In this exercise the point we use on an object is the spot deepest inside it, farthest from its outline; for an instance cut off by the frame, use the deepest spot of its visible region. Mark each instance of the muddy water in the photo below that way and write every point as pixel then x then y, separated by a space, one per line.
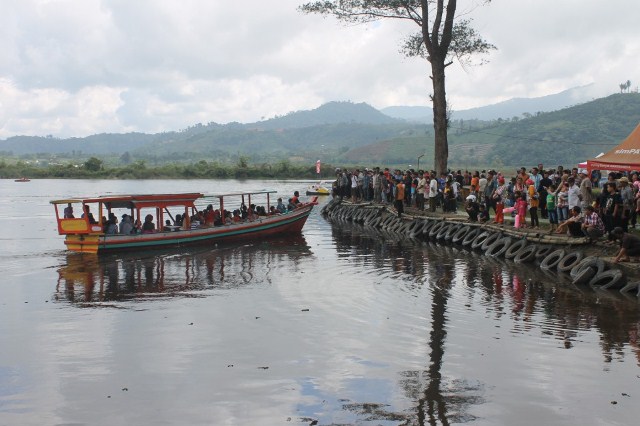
pixel 339 325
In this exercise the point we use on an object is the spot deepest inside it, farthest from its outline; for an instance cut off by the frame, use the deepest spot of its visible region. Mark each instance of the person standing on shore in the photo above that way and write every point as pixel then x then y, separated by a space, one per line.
pixel 586 196
pixel 399 197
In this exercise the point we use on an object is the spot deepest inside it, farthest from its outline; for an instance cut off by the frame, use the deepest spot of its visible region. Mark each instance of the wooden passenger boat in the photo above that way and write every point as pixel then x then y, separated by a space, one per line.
pixel 82 234
pixel 22 179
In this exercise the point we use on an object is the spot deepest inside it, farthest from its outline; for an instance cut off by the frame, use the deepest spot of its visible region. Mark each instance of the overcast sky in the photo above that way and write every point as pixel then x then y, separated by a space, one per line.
pixel 79 67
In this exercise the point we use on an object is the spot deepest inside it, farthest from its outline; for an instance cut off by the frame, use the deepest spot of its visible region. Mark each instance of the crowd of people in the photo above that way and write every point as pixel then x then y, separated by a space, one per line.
pixel 565 197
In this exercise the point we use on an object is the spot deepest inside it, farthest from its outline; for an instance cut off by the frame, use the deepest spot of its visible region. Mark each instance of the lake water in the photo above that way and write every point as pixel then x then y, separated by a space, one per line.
pixel 339 325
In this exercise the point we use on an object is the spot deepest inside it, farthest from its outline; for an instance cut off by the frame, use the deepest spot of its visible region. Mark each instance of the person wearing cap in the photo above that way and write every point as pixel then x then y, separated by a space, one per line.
pixel 471 207
pixel 629 245
pixel 626 193
pixel 586 196
pixel 499 196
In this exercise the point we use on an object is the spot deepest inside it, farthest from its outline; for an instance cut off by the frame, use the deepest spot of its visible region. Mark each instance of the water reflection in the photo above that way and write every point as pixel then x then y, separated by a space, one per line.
pixel 532 302
pixel 183 272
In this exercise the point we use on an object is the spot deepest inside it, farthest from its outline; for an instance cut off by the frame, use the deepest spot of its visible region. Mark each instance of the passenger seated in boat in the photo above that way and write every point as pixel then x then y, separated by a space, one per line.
pixel 260 210
pixel 291 205
pixel 236 216
pixel 296 198
pixel 209 216
pixel 137 227
pixel 251 214
pixel 148 227
pixel 244 212
pixel 217 218
pixel 179 220
pixel 281 207
pixel 68 212
pixel 273 211
pixel 126 227
pixel 111 226
pixel 87 213
pixel 167 225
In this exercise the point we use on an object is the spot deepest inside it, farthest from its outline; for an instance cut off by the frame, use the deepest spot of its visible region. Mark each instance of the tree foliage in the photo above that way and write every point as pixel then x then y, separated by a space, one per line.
pixel 438 39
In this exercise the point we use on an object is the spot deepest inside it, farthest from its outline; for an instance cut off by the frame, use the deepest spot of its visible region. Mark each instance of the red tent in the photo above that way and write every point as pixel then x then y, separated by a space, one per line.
pixel 624 157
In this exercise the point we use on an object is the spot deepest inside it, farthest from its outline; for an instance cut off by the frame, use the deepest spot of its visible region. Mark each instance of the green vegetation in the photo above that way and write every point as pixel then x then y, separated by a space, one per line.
pixel 354 134
pixel 93 168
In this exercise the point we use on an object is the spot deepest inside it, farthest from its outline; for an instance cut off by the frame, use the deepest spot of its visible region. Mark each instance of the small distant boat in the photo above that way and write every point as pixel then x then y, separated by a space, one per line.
pixel 86 235
pixel 23 179
pixel 319 188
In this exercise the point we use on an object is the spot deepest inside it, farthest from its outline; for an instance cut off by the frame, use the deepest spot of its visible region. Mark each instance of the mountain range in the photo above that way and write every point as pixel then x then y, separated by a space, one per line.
pixel 551 129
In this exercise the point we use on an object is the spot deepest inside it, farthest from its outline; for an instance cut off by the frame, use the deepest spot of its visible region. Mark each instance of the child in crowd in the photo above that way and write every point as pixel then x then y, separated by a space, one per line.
pixel 483 214
pixel 521 209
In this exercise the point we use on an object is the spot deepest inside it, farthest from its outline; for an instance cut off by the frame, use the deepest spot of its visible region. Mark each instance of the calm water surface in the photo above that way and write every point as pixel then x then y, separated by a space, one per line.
pixel 340 325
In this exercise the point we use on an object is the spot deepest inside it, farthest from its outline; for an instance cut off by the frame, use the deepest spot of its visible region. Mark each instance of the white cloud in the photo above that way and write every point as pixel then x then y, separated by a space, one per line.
pixel 77 67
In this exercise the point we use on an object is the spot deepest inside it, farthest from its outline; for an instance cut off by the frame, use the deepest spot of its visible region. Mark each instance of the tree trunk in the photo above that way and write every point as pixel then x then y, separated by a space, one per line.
pixel 441 149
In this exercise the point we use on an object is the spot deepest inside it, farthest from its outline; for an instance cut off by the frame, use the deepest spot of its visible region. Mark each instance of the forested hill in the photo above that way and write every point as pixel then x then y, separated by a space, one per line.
pixel 569 135
pixel 327 114
pixel 349 133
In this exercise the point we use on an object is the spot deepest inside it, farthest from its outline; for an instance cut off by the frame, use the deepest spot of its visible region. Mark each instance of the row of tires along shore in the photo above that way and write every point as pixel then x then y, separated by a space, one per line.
pixel 582 270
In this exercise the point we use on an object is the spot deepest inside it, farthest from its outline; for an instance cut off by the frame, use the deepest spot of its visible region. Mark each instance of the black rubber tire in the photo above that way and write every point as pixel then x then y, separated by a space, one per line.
pixel 514 248
pixel 460 234
pixel 443 232
pixel 470 237
pixel 374 222
pixel 544 251
pixel 499 247
pixel 414 224
pixel 613 278
pixel 584 276
pixel 479 240
pixel 488 242
pixel 436 228
pixel 427 227
pixel 392 224
pixel 451 232
pixel 551 261
pixel 387 221
pixel 527 254
pixel 417 232
pixel 570 260
pixel 399 227
pixel 592 262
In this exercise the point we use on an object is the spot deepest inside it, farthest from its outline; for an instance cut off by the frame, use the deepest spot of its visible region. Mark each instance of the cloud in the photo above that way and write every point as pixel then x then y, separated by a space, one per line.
pixel 72 68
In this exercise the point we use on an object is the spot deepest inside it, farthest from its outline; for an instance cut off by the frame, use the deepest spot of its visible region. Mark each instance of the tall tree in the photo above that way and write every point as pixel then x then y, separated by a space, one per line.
pixel 439 39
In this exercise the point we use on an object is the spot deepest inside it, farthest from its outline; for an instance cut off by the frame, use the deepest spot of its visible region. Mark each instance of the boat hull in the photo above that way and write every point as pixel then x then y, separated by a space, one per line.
pixel 262 228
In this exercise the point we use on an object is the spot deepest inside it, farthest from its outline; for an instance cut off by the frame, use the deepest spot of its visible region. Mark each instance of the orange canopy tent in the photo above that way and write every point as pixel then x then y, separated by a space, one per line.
pixel 624 157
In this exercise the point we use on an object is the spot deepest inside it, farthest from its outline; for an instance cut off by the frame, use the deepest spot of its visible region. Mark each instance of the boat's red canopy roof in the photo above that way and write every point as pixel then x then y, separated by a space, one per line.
pixel 142 200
